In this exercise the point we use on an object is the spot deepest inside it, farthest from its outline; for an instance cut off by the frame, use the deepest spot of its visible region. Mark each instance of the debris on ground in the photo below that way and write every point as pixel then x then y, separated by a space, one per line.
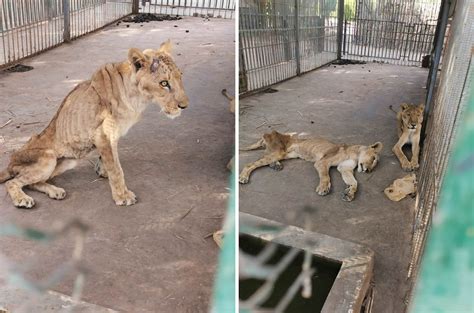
pixel 18 68
pixel 270 90
pixel 347 62
pixel 8 122
pixel 401 188
pixel 149 17
pixel 218 237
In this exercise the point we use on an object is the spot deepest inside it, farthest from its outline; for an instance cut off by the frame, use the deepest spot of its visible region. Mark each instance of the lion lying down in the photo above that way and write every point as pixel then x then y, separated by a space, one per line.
pixel 323 153
pixel 94 115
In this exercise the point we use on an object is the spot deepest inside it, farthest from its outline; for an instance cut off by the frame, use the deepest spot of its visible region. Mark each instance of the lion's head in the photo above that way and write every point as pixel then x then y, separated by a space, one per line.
pixel 159 79
pixel 369 157
pixel 412 115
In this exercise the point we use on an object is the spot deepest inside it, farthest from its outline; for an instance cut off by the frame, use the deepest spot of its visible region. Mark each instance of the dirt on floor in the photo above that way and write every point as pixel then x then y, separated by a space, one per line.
pixel 152 256
pixel 345 104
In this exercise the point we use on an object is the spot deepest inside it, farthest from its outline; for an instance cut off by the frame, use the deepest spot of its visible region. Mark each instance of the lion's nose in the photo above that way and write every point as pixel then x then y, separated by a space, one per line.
pixel 183 102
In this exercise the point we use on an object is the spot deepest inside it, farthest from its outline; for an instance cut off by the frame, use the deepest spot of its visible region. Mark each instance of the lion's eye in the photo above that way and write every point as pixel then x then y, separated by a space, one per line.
pixel 164 83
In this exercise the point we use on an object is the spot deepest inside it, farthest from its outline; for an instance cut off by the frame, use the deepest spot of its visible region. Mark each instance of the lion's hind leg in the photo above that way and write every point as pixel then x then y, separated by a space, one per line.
pixel 268 159
pixel 52 191
pixel 100 168
pixel 40 166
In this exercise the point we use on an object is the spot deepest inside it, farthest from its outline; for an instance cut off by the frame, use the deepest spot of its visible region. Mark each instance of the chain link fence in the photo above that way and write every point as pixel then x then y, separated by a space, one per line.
pixel 449 104
pixel 393 31
pixel 281 39
pixel 28 27
pixel 203 8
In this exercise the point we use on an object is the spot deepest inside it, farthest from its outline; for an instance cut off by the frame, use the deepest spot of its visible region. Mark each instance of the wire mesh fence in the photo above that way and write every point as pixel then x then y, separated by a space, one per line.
pixel 28 27
pixel 210 8
pixel 448 111
pixel 280 39
pixel 393 31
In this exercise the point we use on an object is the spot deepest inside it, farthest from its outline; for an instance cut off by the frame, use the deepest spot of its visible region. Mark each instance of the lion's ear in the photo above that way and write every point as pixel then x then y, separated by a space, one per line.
pixel 137 58
pixel 166 47
pixel 421 107
pixel 378 146
pixel 404 106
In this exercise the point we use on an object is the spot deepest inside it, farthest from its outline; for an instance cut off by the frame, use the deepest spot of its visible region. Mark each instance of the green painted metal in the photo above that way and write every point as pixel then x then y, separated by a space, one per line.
pixel 446 281
pixel 224 288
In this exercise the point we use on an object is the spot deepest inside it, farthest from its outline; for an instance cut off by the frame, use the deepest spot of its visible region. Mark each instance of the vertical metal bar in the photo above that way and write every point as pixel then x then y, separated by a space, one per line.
pixel 340 21
pixel 67 23
pixel 3 33
pixel 297 33
pixel 135 6
pixel 439 40
pixel 345 38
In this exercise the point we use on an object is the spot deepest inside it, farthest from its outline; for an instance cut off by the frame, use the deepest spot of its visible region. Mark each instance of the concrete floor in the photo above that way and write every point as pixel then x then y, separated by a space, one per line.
pixel 147 257
pixel 347 104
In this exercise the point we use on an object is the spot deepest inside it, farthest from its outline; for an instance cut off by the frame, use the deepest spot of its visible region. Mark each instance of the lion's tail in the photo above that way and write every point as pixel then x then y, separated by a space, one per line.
pixel 259 144
pixel 5 175
pixel 226 94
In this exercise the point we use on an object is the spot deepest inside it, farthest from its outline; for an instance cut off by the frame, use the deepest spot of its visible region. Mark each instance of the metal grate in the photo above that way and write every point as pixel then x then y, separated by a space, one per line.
pixel 89 15
pixel 28 27
pixel 317 21
pixel 210 8
pixel 281 39
pixel 450 103
pixel 393 31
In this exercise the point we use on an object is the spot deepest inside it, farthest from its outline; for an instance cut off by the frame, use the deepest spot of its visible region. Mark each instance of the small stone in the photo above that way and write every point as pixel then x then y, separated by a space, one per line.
pixel 187 31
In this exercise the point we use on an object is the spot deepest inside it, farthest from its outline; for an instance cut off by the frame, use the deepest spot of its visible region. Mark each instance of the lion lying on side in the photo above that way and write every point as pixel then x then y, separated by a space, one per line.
pixel 323 153
pixel 409 120
pixel 94 115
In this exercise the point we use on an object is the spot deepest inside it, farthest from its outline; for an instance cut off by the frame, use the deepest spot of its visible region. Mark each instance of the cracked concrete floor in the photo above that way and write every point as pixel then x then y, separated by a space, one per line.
pixel 143 258
pixel 346 104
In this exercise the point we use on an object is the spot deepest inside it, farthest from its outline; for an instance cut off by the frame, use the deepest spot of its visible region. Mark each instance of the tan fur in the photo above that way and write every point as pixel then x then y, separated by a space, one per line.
pixel 94 115
pixel 230 164
pixel 409 123
pixel 401 188
pixel 323 153
pixel 231 100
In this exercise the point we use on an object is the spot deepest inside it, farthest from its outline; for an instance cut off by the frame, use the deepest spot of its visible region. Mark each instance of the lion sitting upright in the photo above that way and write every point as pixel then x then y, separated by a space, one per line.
pixel 94 115
pixel 323 153
pixel 409 119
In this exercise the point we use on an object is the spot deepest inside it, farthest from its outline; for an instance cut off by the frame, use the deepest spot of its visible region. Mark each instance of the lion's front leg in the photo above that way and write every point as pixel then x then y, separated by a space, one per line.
pixel 351 183
pixel 324 179
pixel 415 152
pixel 110 161
pixel 397 149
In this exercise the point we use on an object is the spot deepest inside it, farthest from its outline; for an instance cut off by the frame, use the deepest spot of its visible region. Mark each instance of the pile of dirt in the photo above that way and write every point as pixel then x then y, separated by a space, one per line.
pixel 18 68
pixel 347 62
pixel 149 17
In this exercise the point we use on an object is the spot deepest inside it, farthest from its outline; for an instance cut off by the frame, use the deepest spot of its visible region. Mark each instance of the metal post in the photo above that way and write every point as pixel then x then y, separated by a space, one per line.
pixel 297 43
pixel 438 49
pixel 67 21
pixel 135 6
pixel 340 27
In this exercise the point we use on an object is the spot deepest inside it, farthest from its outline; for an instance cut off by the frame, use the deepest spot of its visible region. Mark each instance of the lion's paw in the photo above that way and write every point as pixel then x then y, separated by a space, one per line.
pixel 324 189
pixel 128 198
